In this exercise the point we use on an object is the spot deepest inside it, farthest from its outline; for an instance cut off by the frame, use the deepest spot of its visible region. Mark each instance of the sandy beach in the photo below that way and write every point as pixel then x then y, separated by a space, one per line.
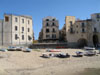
pixel 22 63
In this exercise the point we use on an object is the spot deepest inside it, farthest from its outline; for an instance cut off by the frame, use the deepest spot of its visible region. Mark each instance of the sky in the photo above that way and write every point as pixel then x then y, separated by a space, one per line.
pixel 39 9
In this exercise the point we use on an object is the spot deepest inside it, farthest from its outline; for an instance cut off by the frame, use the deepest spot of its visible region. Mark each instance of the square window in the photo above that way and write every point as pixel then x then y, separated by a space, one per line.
pixel 6 18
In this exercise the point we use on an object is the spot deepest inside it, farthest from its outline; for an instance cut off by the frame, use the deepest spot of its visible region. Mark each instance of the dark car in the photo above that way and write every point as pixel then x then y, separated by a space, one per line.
pixel 63 55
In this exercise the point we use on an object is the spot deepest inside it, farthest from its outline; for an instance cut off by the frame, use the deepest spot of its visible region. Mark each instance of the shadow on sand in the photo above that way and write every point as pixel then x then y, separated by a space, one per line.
pixel 90 71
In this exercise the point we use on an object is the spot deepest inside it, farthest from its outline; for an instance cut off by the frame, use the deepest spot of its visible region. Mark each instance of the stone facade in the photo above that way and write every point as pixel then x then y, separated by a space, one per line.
pixel 16 30
pixel 83 32
pixel 50 30
pixel 76 33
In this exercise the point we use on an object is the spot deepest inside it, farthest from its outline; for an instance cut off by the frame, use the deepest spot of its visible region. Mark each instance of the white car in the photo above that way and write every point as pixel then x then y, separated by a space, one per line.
pixel 3 50
pixel 89 48
pixel 27 50
pixel 11 48
pixel 19 48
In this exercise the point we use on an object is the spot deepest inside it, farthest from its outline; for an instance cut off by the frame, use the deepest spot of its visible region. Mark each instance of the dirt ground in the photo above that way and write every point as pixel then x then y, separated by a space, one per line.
pixel 24 63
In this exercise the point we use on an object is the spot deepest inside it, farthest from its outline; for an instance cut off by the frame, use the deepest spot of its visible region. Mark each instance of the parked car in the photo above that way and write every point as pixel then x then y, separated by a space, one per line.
pixel 19 48
pixel 27 50
pixel 3 50
pixel 52 50
pixel 63 55
pixel 98 50
pixel 52 55
pixel 79 54
pixel 11 48
pixel 44 55
pixel 89 48
pixel 90 53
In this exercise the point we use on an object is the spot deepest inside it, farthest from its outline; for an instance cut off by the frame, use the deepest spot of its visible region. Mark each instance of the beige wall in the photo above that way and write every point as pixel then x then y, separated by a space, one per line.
pixel 69 36
pixel 9 30
pixel 77 28
pixel 50 27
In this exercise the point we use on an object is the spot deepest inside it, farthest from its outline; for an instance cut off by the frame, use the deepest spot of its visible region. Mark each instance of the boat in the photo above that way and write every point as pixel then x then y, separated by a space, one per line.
pixel 89 48
pixel 44 55
pixel 52 50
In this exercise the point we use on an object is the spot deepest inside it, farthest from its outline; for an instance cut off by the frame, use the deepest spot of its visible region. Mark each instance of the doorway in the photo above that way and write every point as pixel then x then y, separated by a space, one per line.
pixel 95 40
pixel 82 42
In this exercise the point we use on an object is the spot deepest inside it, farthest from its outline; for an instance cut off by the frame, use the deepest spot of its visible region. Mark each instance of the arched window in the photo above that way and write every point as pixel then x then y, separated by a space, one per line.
pixel 53 19
pixel 47 19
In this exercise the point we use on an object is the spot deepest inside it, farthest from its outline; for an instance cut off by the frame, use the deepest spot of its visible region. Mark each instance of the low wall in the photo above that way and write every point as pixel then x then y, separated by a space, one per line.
pixel 53 45
pixel 46 45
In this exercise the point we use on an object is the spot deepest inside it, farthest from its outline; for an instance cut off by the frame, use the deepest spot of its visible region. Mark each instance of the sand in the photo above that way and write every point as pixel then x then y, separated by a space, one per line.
pixel 22 63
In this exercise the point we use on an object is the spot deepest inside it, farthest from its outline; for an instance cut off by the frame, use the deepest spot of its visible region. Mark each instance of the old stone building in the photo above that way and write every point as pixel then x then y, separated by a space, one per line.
pixel 16 30
pixel 82 32
pixel 50 30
